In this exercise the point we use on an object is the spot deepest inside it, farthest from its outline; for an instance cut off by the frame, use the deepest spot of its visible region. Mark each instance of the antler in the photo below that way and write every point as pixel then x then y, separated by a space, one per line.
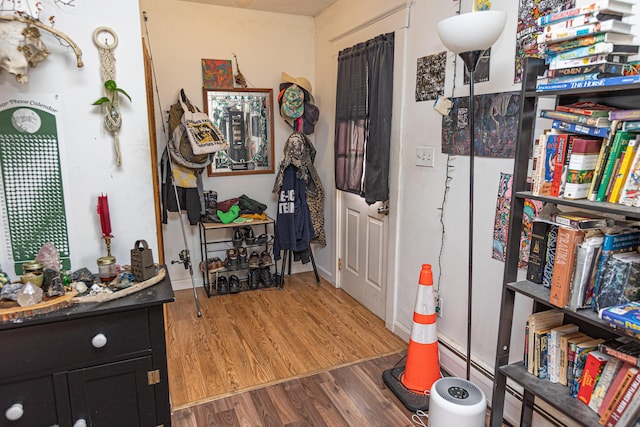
pixel 36 23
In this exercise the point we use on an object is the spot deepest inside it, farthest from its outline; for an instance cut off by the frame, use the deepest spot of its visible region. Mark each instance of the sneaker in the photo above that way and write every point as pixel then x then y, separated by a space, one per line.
pixel 215 264
pixel 242 258
pixel 249 237
pixel 254 260
pixel 265 258
pixel 254 278
pixel 234 284
pixel 263 238
pixel 238 236
pixel 265 275
pixel 231 263
pixel 223 285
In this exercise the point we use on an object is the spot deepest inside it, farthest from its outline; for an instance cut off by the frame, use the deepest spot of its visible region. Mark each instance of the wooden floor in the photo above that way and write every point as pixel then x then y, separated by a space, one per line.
pixel 259 338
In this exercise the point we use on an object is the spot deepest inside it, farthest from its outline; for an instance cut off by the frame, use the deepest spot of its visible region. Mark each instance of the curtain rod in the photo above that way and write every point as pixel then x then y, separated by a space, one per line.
pixel 373 20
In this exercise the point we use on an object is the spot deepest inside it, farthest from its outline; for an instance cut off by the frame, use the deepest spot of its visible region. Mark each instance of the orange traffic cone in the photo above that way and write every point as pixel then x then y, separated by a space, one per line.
pixel 422 368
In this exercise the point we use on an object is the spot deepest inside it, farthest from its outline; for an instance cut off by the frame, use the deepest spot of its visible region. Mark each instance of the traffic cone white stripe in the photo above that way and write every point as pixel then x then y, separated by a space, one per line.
pixel 426 301
pixel 424 334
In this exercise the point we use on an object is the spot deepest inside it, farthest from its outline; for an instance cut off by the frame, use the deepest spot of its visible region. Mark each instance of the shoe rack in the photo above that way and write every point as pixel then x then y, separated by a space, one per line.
pixel 225 259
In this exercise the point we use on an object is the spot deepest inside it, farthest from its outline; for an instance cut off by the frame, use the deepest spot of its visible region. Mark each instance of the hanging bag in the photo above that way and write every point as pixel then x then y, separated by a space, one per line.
pixel 204 136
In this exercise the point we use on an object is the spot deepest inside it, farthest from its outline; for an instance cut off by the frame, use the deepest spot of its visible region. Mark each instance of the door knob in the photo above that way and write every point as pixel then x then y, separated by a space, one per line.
pixel 383 210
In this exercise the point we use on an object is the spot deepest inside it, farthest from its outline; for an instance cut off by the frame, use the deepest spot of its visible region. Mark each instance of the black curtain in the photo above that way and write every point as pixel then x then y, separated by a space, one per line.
pixel 364 100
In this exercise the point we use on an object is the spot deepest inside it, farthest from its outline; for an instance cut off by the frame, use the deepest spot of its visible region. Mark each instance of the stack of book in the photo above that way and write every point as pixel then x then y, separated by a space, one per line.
pixel 587 45
pixel 590 152
pixel 602 374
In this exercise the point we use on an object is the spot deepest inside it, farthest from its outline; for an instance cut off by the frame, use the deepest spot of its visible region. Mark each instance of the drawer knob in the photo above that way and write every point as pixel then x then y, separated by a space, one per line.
pixel 80 423
pixel 99 341
pixel 15 412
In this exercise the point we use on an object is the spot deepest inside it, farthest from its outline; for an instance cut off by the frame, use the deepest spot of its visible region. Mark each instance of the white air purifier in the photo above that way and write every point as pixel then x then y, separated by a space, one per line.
pixel 456 402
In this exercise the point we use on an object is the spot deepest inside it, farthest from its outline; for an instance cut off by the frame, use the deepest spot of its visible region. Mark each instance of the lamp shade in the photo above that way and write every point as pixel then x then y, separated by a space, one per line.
pixel 471 31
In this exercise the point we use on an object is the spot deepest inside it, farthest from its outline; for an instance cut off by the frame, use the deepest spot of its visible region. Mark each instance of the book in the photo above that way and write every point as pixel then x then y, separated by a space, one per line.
pixel 624 115
pixel 631 125
pixel 610 25
pixel 570 78
pixel 537 251
pixel 606 82
pixel 597 58
pixel 553 349
pixel 547 272
pixel 605 69
pixel 581 167
pixel 580 129
pixel 619 393
pixel 631 187
pixel 624 402
pixel 626 315
pixel 566 248
pixel 580 220
pixel 581 20
pixel 537 322
pixel 579 362
pixel 620 279
pixel 576 118
pixel 586 108
pixel 593 367
pixel 537 164
pixel 621 6
pixel 607 376
pixel 566 341
pixel 631 414
pixel 620 142
pixel 540 358
pixel 572 346
pixel 550 153
pixel 585 269
pixel 593 6
pixel 615 385
pixel 614 241
pixel 603 156
pixel 620 50
pixel 561 164
pixel 625 165
pixel 525 352
pixel 622 348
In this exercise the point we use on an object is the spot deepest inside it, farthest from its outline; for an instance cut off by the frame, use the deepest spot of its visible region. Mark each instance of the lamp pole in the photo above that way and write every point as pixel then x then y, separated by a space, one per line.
pixel 470 60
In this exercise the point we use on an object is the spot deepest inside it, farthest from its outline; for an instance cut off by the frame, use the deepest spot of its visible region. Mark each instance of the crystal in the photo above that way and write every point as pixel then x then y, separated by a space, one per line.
pixel 10 291
pixel 29 295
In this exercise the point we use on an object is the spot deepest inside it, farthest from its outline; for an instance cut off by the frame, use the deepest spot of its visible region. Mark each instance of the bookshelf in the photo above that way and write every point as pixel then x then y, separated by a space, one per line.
pixel 620 96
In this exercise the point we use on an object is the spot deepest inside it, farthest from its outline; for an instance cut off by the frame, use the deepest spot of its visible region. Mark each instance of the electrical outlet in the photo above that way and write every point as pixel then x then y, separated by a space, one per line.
pixel 424 156
pixel 439 306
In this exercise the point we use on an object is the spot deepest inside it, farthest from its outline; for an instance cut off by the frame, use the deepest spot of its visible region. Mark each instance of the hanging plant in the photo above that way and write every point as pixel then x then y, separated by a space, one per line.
pixel 113 89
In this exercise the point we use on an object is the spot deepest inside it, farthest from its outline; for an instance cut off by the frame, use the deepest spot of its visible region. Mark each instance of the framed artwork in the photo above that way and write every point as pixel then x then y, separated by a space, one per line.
pixel 217 74
pixel 245 118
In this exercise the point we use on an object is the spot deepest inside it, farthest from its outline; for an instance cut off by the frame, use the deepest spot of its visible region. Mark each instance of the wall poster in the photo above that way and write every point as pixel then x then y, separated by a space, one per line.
pixel 430 76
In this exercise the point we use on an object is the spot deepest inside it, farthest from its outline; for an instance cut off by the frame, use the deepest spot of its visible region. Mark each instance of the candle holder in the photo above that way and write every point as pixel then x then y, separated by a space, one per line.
pixel 107 240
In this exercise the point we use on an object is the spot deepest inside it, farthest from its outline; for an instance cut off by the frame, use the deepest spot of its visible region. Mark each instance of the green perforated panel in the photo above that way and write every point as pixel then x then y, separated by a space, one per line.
pixel 32 184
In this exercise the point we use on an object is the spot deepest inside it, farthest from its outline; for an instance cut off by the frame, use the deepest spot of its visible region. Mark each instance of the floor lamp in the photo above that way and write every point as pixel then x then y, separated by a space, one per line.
pixel 469 35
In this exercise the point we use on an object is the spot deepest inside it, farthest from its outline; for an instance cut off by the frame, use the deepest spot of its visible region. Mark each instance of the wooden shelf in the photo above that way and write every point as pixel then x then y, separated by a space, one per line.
pixel 555 395
pixel 218 225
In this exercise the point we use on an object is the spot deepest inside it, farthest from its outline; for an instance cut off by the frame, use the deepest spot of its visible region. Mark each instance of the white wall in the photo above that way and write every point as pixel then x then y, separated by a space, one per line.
pixel 181 33
pixel 88 162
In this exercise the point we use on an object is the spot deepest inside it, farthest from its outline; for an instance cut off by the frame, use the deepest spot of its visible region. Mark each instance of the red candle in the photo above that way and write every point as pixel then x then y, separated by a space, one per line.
pixel 103 212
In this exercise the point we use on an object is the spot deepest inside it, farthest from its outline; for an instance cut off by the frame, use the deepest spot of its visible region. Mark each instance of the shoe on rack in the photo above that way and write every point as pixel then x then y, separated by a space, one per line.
pixel 242 258
pixel 266 278
pixel 223 285
pixel 254 278
pixel 254 260
pixel 249 237
pixel 263 238
pixel 238 236
pixel 266 259
pixel 215 264
pixel 232 263
pixel 234 284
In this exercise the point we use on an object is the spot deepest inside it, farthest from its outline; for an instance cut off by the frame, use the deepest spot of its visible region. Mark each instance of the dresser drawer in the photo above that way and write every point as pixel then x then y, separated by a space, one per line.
pixel 28 403
pixel 68 344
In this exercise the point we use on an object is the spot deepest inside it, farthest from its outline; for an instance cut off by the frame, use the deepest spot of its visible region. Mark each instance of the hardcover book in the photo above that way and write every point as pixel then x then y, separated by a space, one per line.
pixel 580 220
pixel 561 166
pixel 566 247
pixel 624 402
pixel 615 385
pixel 587 108
pixel 619 393
pixel 537 251
pixel 593 367
pixel 620 280
pixel 581 168
pixel 606 82
pixel 631 414
pixel 550 153
pixel 603 384
pixel 623 348
pixel 552 239
pixel 575 118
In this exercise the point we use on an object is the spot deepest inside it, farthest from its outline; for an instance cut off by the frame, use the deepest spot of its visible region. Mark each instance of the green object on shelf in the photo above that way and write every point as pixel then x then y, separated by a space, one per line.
pixel 34 211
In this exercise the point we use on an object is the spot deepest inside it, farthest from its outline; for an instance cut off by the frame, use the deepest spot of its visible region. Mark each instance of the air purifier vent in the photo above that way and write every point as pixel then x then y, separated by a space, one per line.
pixel 459 391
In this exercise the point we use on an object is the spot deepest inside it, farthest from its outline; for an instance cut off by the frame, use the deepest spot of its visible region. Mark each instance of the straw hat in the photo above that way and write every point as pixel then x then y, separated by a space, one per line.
pixel 300 81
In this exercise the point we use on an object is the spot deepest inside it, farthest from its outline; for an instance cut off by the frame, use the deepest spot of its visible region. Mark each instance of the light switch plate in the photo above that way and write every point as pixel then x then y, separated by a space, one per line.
pixel 424 156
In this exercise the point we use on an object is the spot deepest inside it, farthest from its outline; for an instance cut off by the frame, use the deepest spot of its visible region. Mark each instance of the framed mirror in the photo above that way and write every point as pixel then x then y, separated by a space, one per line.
pixel 245 118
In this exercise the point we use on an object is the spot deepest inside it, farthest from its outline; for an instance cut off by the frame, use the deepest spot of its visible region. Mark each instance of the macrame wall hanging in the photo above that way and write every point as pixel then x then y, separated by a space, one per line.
pixel 110 104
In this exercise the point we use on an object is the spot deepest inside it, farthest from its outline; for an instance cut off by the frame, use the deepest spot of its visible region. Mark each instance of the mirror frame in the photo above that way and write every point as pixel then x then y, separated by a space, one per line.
pixel 215 100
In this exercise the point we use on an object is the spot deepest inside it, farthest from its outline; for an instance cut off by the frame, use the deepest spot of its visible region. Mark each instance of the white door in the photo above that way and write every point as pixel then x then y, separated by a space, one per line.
pixel 363 252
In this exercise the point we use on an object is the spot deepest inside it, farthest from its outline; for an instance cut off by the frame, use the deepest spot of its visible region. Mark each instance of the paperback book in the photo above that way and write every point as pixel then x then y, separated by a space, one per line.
pixel 631 188
pixel 581 168
pixel 575 118
pixel 565 45
pixel 624 348
pixel 606 82
pixel 624 115
pixel 587 108
pixel 585 272
pixel 611 25
pixel 581 129
pixel 610 6
pixel 625 315
pixel 605 69
pixel 601 58
pixel 603 384
pixel 620 280
pixel 619 50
